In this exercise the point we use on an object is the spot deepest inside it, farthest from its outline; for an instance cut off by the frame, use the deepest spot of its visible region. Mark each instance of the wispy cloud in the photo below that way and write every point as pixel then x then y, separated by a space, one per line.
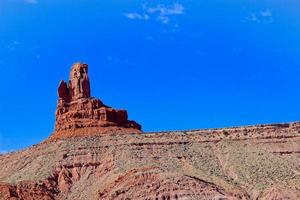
pixel 136 16
pixel 13 45
pixel 31 1
pixel 162 13
pixel 265 16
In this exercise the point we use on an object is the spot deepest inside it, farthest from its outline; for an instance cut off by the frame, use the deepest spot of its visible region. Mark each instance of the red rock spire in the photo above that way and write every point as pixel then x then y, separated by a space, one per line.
pixel 63 92
pixel 79 114
pixel 79 83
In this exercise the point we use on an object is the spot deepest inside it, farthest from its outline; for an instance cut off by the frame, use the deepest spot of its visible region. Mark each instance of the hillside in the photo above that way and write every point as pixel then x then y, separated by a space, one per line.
pixel 258 162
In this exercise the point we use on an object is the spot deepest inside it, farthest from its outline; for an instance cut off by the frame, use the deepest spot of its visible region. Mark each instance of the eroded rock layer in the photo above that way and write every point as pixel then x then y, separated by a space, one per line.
pixel 250 163
pixel 77 110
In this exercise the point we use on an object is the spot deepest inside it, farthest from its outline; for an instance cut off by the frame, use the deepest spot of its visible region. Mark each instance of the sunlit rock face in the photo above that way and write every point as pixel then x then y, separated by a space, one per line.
pixel 244 163
pixel 79 84
pixel 79 114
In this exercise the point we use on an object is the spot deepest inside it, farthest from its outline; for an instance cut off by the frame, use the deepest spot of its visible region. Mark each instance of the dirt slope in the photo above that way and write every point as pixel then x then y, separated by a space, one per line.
pixel 259 162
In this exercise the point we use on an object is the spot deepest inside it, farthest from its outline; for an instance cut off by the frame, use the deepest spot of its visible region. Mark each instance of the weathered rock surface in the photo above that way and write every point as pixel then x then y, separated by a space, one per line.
pixel 79 114
pixel 257 162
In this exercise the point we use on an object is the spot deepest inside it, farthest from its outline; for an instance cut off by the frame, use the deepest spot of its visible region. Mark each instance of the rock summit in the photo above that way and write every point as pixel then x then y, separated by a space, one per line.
pixel 79 114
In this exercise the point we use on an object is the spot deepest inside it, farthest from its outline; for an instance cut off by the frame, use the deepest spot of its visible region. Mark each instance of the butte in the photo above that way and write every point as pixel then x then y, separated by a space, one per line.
pixel 79 114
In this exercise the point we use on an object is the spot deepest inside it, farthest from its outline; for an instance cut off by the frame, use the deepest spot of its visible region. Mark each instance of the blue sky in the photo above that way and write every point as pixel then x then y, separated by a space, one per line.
pixel 172 64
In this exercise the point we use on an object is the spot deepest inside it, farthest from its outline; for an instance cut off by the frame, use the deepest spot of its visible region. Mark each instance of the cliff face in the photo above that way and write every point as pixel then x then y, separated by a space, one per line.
pixel 259 162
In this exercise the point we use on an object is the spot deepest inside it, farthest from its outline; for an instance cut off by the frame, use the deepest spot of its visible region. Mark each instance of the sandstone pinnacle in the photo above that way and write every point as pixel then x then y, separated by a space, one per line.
pixel 79 114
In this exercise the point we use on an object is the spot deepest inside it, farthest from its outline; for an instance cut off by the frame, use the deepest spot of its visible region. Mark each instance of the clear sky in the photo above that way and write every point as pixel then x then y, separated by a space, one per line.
pixel 174 65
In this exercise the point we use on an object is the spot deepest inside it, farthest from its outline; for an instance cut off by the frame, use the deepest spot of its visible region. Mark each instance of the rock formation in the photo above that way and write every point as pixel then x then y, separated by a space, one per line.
pixel 245 163
pixel 79 114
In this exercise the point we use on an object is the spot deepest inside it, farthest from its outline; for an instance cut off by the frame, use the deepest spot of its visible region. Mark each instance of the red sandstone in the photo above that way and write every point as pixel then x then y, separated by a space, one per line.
pixel 79 114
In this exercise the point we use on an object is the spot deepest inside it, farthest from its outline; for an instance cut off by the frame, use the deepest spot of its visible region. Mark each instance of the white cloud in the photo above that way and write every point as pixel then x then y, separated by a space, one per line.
pixel 252 17
pixel 138 16
pixel 13 45
pixel 162 13
pixel 31 1
pixel 176 9
pixel 265 16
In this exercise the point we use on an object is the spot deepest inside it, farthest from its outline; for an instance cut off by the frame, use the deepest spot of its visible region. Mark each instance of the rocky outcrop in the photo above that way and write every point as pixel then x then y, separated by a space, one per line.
pixel 251 163
pixel 29 190
pixel 79 114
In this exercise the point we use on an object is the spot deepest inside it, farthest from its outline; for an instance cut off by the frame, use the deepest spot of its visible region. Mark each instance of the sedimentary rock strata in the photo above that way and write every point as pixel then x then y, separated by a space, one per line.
pixel 79 114
pixel 251 163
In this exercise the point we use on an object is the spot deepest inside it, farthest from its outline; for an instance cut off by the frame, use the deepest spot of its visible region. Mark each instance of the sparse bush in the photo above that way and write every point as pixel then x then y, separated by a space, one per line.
pixel 226 133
